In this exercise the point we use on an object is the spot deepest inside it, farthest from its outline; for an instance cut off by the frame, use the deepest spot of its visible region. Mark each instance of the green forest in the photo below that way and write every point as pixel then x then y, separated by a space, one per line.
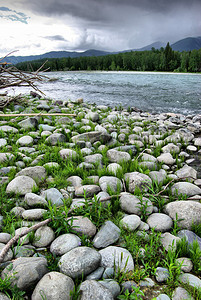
pixel 164 59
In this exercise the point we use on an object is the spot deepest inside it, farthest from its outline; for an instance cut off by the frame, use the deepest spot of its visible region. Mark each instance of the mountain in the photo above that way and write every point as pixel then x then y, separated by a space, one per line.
pixel 54 54
pixel 187 44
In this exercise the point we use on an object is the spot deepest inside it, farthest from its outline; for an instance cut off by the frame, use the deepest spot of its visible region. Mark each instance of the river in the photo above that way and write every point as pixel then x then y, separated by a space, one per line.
pixel 148 91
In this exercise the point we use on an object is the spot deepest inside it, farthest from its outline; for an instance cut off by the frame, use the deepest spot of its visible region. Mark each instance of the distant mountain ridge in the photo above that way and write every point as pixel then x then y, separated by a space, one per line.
pixel 187 44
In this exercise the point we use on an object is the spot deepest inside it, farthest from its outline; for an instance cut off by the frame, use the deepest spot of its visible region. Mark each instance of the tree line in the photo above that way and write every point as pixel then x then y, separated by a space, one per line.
pixel 164 59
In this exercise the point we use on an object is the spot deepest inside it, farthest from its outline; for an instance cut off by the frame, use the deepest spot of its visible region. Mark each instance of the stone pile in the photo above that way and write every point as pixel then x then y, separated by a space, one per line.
pixel 162 148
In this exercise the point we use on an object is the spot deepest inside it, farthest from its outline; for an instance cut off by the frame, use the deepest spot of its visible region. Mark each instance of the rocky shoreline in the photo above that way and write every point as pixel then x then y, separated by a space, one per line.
pixel 121 195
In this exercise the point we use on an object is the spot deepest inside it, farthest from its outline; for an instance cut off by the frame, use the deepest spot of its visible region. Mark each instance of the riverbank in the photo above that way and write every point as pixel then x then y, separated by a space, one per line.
pixel 120 197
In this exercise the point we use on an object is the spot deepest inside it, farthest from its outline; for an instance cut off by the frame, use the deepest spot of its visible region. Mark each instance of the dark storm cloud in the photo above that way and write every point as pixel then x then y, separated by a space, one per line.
pixel 55 38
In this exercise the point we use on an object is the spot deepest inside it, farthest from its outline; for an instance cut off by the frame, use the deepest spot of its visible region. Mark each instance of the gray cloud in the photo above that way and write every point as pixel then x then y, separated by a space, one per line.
pixel 55 38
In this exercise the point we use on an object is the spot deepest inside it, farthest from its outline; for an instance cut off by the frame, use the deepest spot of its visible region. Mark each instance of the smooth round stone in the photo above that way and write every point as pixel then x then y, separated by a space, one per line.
pixel 24 240
pixel 163 297
pixel 23 252
pixel 137 180
pixel 76 181
pixel 110 182
pixel 9 253
pixel 191 279
pixel 133 205
pixel 186 264
pixel 116 156
pixel 158 176
pixel 96 275
pixel 93 158
pixel 108 273
pixel 37 173
pixel 197 142
pixel 34 214
pixel 21 185
pixel 67 153
pixel 7 128
pixel 89 190
pixel 5 237
pixel 166 158
pixel 114 168
pixel 54 196
pixel 169 241
pixel 79 261
pixel 46 133
pixel 51 165
pixel 93 116
pixel 56 138
pixel 32 199
pixel 86 151
pixel 116 257
pixel 92 289
pixel 82 225
pixel 131 222
pixel 187 212
pixel 171 147
pixel 43 236
pixel 64 243
pixel 25 140
pixel 108 234
pixel 17 211
pixel 180 294
pixel 54 285
pixel 190 237
pixel 191 148
pixel 112 286
pixel 185 188
pixel 5 157
pixel 46 127
pixel 3 142
pixel 160 222
pixel 161 274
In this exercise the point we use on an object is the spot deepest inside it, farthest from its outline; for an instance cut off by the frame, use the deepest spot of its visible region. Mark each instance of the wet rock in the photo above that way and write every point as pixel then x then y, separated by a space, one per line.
pixel 53 285
pixel 79 261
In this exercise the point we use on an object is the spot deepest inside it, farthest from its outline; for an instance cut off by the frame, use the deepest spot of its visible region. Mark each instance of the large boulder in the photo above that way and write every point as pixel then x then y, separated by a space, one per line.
pixel 21 185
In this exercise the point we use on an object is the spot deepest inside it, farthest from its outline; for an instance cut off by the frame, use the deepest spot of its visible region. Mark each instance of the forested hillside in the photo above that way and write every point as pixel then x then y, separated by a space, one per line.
pixel 164 59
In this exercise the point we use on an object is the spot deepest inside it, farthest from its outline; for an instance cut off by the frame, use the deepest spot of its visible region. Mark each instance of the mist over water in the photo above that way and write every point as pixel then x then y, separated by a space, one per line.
pixel 149 91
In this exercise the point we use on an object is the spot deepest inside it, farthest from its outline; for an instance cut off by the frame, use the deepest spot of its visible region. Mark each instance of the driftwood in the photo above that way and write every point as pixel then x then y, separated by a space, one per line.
pixel 18 236
pixel 10 76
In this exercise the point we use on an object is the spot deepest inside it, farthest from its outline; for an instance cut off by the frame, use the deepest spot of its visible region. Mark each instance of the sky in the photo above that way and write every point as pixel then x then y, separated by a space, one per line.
pixel 37 26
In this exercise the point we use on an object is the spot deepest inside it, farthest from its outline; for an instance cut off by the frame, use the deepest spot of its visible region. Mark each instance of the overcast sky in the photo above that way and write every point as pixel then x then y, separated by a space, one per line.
pixel 39 26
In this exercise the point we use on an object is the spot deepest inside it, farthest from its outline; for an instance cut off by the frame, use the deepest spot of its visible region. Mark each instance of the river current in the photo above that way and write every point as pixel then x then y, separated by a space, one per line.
pixel 148 91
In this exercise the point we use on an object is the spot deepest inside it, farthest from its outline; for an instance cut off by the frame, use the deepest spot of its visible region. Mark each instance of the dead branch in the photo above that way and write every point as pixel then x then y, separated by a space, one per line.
pixel 18 236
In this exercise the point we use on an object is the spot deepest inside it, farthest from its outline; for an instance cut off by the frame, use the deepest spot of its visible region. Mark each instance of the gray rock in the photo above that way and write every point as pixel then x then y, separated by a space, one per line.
pixel 186 264
pixel 129 285
pixel 91 288
pixel 117 257
pixel 148 157
pixel 9 254
pixel 92 136
pixel 118 156
pixel 53 285
pixel 93 158
pixel 25 140
pixel 169 241
pixel 130 222
pixel 5 237
pixel 189 236
pixel 147 282
pixel 161 274
pixel 158 176
pixel 180 294
pixel 114 168
pixel 112 286
pixel 108 234
pixel 33 214
pixel 110 182
pixel 64 243
pixel 25 238
pixel 163 297
pixel 51 165
pixel 56 138
pixel 160 222
pixel 82 225
pixel 46 127
pixel 137 180
pixel 3 142
pixel 3 297
pixel 76 181
pixel 22 251
pixel 5 157
pixel 67 153
pixel 54 196
pixel 32 199
pixel 21 185
pixel 185 188
pixel 133 205
pixel 96 275
pixel 148 165
pixel 191 279
pixel 171 148
pixel 186 212
pixel 186 172
pixel 166 158
pixel 37 173
pixel 43 236
pixel 93 116
pixel 7 128
pixel 197 142
pixel 108 273
pixel 26 271
pixel 89 190
pixel 79 261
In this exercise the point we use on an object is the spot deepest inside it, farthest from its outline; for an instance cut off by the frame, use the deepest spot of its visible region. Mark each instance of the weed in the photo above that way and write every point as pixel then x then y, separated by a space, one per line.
pixel 7 288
